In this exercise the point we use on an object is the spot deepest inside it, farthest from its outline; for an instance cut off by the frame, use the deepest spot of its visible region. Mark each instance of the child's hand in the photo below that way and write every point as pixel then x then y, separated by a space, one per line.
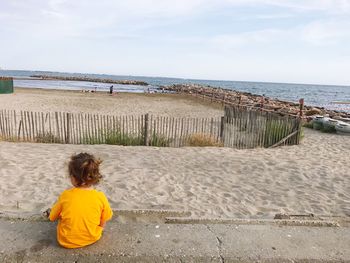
pixel 102 224
pixel 47 212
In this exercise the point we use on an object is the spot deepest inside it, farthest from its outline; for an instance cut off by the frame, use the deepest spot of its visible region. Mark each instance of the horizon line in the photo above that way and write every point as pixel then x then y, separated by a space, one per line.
pixel 182 78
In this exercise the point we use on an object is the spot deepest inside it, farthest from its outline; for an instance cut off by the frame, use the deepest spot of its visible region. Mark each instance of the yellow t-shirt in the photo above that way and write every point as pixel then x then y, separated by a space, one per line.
pixel 80 212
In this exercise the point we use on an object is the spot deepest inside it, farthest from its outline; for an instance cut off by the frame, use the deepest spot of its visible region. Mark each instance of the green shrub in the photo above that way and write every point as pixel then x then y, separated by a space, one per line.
pixel 328 129
pixel 317 125
pixel 159 141
pixel 47 138
pixel 91 140
pixel 323 128
pixel 118 138
pixel 10 139
pixel 308 125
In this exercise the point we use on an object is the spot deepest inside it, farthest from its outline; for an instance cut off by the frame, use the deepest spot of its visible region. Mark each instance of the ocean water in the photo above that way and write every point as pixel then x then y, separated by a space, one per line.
pixel 314 95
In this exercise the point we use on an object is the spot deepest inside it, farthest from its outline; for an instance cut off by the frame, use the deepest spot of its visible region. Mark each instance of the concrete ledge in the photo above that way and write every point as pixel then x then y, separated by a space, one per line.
pixel 278 222
pixel 121 215
pixel 35 241
pixel 147 215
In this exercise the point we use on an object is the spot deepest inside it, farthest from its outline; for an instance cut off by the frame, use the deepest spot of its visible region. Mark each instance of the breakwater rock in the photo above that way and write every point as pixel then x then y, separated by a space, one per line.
pixel 112 81
pixel 6 78
pixel 232 97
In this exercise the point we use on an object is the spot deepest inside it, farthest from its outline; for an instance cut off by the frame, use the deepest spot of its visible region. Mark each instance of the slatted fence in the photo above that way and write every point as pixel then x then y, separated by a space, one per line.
pixel 239 128
pixel 253 128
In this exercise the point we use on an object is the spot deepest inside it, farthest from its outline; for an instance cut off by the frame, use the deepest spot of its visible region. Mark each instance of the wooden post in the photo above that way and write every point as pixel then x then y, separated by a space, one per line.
pixel 222 126
pixel 223 101
pixel 146 131
pixel 19 130
pixel 67 128
pixel 301 105
pixel 240 100
pixel 1 127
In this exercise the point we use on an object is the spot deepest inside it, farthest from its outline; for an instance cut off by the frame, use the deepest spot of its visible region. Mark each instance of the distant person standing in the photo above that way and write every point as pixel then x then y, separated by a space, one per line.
pixel 111 90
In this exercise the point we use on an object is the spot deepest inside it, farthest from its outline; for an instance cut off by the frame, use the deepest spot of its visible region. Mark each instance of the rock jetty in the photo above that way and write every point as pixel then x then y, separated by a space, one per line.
pixel 112 81
pixel 232 97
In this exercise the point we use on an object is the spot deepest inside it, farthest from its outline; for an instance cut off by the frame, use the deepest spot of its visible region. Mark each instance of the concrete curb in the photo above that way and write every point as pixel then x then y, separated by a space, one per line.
pixel 278 222
pixel 35 241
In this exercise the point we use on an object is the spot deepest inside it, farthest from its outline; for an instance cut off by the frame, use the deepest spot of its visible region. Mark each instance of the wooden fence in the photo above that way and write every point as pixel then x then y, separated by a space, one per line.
pixel 237 129
pixel 253 128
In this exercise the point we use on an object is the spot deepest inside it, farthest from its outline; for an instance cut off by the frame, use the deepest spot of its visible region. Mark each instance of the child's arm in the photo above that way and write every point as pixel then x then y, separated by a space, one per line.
pixel 55 211
pixel 107 212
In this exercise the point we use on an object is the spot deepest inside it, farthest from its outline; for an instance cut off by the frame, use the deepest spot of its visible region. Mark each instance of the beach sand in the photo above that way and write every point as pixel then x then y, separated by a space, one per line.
pixel 102 103
pixel 215 182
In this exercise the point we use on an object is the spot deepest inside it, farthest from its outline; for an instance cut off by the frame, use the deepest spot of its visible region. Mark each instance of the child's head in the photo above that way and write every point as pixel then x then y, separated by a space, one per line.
pixel 84 170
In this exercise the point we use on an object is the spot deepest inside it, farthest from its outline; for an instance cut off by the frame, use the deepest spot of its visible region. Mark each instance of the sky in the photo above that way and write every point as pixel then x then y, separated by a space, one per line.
pixel 294 41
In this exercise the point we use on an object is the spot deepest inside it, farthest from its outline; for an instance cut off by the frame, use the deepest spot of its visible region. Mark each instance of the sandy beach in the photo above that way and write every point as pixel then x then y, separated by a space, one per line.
pixel 216 182
pixel 101 103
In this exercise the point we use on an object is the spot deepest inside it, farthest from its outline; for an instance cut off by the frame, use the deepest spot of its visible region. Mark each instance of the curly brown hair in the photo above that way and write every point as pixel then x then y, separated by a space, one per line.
pixel 84 168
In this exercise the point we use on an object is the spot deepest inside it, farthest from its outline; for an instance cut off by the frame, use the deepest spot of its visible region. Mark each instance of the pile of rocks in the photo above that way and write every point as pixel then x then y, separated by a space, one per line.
pixel 6 78
pixel 232 97
pixel 112 81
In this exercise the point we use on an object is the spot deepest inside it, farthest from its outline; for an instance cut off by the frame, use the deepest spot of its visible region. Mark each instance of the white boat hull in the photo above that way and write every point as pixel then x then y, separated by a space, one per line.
pixel 343 128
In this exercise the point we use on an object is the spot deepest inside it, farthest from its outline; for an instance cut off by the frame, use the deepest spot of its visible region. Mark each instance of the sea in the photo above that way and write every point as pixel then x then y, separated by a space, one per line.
pixel 327 96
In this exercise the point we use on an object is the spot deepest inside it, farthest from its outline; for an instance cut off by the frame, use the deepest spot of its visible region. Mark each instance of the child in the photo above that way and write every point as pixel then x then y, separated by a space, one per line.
pixel 81 210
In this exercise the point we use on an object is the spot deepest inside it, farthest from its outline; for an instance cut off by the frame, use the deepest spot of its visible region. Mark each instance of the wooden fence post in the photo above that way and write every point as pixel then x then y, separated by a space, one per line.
pixel 19 130
pixel 146 131
pixel 68 128
pixel 301 107
pixel 222 126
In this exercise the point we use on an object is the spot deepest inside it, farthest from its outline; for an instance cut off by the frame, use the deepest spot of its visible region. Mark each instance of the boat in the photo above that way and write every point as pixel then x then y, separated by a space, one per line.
pixel 347 120
pixel 318 119
pixel 342 128
pixel 317 122
pixel 329 123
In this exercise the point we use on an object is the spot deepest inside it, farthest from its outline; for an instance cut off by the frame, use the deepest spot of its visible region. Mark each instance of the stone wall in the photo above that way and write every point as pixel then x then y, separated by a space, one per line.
pixel 232 97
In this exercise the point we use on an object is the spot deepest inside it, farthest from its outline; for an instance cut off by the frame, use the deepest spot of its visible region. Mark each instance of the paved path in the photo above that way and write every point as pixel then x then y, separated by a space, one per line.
pixel 35 241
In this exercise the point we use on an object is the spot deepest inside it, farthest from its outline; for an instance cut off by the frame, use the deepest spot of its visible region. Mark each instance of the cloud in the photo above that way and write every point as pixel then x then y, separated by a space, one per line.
pixel 328 6
pixel 83 15
pixel 229 41
pixel 327 32
pixel 213 38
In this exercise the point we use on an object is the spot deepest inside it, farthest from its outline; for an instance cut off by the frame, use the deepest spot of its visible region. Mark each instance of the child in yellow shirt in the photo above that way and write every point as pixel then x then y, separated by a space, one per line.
pixel 82 211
